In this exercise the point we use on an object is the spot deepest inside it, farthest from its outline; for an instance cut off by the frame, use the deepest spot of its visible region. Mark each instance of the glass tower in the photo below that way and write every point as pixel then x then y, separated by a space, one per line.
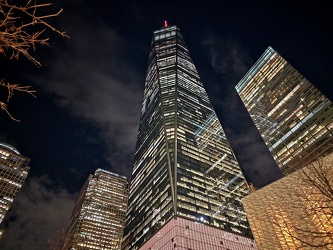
pixel 184 166
pixel 293 117
pixel 13 172
pixel 98 217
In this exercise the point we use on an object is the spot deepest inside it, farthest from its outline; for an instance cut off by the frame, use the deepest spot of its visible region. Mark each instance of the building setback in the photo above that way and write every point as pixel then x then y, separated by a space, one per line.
pixel 293 117
pixel 13 172
pixel 98 217
pixel 186 184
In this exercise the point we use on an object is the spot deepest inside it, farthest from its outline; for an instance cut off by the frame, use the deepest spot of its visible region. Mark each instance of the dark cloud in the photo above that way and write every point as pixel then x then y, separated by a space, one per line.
pixel 37 213
pixel 230 61
pixel 228 58
pixel 97 76
pixel 92 76
pixel 256 162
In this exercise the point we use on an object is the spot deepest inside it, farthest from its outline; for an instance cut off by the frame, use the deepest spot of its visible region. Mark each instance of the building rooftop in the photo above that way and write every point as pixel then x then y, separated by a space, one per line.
pixel 10 147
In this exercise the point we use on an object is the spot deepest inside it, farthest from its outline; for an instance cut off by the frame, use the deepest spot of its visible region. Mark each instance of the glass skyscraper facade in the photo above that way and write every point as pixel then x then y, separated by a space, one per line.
pixel 184 166
pixel 293 117
pixel 14 170
pixel 98 217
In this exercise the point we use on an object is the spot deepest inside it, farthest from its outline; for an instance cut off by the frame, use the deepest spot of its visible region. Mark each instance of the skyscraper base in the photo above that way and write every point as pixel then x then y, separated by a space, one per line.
pixel 180 233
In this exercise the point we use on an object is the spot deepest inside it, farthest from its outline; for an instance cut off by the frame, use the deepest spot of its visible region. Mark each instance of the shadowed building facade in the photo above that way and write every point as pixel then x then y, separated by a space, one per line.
pixel 186 184
pixel 98 217
pixel 13 172
pixel 293 117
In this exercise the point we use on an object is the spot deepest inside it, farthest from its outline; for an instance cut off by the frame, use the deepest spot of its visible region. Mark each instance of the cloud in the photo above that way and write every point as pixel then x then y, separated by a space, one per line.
pixel 256 162
pixel 231 61
pixel 37 213
pixel 91 74
pixel 228 58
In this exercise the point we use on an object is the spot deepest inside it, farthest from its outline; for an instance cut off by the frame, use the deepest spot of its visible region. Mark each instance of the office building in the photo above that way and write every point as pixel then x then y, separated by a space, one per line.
pixel 98 217
pixel 293 117
pixel 186 184
pixel 296 211
pixel 13 172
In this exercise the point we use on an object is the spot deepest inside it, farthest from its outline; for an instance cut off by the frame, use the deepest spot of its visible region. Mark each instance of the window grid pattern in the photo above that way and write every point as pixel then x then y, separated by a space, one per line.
pixel 13 172
pixel 98 217
pixel 184 165
pixel 293 117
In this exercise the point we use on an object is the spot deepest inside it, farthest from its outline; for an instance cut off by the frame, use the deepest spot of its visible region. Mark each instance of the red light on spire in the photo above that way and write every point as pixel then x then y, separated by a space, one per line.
pixel 165 24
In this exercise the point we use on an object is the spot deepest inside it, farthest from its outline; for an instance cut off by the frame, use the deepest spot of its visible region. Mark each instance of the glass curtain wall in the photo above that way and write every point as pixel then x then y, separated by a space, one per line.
pixel 184 165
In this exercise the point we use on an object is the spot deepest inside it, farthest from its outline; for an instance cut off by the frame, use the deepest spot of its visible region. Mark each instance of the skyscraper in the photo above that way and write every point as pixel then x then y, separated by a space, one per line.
pixel 98 217
pixel 293 117
pixel 186 183
pixel 13 172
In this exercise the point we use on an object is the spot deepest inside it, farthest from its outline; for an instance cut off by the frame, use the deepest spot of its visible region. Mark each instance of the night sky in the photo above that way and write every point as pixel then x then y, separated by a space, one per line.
pixel 90 88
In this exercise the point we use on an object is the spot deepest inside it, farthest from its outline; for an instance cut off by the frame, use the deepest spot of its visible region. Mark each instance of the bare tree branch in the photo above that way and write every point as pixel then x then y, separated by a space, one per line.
pixel 11 88
pixel 22 28
pixel 295 212
pixel 15 36
pixel 314 196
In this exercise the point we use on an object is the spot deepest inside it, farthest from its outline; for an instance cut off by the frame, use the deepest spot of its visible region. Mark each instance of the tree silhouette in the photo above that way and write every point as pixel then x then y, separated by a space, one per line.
pixel 23 26
pixel 316 195
pixel 295 212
